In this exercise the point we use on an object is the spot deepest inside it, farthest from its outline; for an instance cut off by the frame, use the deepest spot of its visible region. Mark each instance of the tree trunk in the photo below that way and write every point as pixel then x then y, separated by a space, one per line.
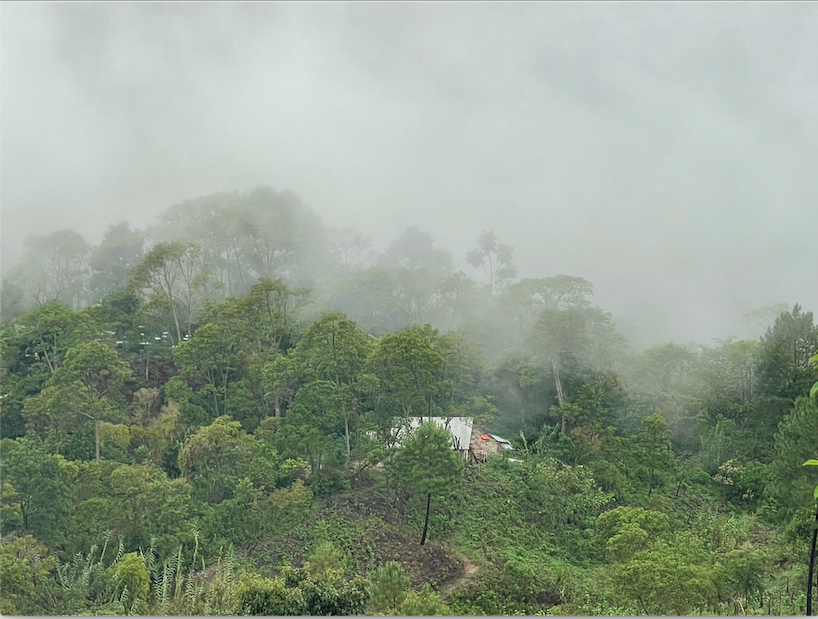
pixel 426 523
pixel 238 265
pixel 96 443
pixel 406 421
pixel 224 389
pixel 346 433
pixel 175 321
pixel 558 382
pixel 560 394
pixel 48 361
pixel 811 576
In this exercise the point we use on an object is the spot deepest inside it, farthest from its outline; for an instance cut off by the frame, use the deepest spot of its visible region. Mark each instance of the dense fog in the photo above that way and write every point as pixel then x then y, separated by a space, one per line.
pixel 405 309
pixel 665 153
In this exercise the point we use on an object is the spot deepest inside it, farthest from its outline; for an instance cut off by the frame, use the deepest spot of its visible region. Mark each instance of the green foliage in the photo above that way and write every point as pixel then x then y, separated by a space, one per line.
pixel 175 276
pixel 388 589
pixel 627 530
pixel 254 432
pixel 300 593
pixel 426 462
pixel 667 579
pixel 745 573
pixel 37 488
pixel 562 496
pixel 130 574
pixel 787 347
pixel 795 444
pixel 12 301
pixel 43 336
pixel 425 603
pixel 120 250
pixel 213 458
pixel 406 366
pixel 743 483
pixel 192 588
pixel 655 453
pixel 25 571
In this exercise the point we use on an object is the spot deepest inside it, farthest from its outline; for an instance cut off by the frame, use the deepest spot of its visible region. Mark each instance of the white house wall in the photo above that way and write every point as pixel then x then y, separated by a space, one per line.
pixel 459 427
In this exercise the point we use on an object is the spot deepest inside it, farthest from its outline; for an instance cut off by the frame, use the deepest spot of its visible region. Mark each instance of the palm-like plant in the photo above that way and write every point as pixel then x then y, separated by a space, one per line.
pixel 494 258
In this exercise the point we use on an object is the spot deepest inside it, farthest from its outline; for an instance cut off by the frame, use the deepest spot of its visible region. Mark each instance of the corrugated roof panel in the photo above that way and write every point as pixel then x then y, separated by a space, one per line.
pixel 499 439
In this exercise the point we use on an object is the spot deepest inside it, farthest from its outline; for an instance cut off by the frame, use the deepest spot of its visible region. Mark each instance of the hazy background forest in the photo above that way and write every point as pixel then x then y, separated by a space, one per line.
pixel 662 152
pixel 242 245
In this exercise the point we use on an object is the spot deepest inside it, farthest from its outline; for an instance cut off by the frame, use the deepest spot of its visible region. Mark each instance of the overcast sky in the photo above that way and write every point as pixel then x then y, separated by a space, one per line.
pixel 668 153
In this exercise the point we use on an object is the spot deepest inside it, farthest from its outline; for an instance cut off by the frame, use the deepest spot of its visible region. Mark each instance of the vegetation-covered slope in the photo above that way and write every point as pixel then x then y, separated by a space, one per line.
pixel 200 419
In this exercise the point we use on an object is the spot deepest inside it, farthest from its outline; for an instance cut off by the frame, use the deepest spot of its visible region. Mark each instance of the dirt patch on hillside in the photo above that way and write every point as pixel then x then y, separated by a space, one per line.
pixel 387 536
pixel 369 527
pixel 463 581
pixel 368 504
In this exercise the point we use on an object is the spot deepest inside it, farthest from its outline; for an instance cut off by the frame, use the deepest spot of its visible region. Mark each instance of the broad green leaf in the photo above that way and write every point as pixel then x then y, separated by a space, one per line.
pixel 811 463
pixel 813 393
pixel 815 493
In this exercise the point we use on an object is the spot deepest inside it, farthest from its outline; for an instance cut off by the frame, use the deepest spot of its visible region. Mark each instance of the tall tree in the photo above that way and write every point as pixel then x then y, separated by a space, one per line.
pixel 280 382
pixel 655 449
pixel 351 249
pixel 369 298
pixel 561 336
pixel 461 372
pixel 784 370
pixel 334 349
pixel 795 442
pixel 428 465
pixel 34 474
pixel 120 250
pixel 525 301
pixel 407 366
pixel 414 249
pixel 54 268
pixel 786 348
pixel 496 260
pixel 215 459
pixel 271 311
pixel 82 388
pixel 43 335
pixel 12 301
pixel 175 274
pixel 209 357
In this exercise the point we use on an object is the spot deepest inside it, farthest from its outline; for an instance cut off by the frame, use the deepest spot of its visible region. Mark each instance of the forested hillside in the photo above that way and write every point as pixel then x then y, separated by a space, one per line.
pixel 200 418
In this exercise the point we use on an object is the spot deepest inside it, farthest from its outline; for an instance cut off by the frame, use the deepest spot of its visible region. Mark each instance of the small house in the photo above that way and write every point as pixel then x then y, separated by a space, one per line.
pixel 459 427
pixel 483 443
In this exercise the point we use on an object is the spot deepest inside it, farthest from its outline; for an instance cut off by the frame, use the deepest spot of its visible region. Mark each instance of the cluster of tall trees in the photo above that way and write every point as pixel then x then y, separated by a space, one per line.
pixel 204 384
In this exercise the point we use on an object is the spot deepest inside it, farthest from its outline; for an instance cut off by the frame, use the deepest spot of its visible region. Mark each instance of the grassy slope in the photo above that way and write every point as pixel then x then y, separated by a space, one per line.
pixel 486 556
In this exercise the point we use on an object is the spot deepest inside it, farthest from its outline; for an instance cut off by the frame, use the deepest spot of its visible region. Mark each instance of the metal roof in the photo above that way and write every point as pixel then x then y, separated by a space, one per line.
pixel 503 442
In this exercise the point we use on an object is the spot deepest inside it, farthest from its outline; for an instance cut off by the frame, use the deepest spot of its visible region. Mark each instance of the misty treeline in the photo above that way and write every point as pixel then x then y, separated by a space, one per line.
pixel 200 418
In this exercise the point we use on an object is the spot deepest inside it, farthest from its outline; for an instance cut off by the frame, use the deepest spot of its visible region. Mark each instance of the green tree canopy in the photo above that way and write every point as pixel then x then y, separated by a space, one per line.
pixel 428 465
